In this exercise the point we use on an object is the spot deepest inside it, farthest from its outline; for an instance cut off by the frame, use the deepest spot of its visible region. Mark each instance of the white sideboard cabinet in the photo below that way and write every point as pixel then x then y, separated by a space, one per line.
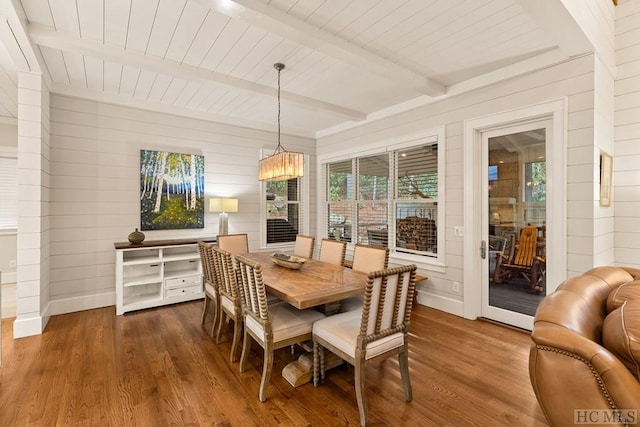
pixel 155 273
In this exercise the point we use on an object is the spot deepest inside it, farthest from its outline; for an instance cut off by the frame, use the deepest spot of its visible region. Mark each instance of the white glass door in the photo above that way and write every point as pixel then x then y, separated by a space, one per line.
pixel 514 222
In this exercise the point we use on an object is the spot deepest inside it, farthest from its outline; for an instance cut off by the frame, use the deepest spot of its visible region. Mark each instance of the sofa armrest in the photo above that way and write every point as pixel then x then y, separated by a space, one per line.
pixel 570 372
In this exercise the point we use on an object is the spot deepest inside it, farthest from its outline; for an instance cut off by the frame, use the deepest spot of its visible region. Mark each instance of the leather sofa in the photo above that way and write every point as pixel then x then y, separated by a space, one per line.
pixel 584 362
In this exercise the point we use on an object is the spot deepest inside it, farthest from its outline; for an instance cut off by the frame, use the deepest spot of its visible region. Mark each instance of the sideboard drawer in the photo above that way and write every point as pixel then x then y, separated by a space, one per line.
pixel 184 281
pixel 186 290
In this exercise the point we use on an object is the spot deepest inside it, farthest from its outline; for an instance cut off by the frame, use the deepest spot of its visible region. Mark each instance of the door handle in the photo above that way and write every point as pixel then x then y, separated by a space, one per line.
pixel 483 249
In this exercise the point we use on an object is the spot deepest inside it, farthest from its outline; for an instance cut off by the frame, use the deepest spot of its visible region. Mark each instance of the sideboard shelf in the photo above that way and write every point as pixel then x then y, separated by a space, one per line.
pixel 156 273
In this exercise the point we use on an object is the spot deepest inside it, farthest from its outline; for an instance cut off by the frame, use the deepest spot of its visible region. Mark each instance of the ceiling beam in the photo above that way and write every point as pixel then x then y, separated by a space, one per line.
pixel 127 101
pixel 17 45
pixel 556 21
pixel 45 36
pixel 270 19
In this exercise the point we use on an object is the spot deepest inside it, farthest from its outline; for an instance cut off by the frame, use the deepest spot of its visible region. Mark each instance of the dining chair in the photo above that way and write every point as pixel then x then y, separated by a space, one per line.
pixel 304 246
pixel 230 298
pixel 272 326
pixel 211 293
pixel 333 251
pixel 377 332
pixel 366 258
pixel 235 243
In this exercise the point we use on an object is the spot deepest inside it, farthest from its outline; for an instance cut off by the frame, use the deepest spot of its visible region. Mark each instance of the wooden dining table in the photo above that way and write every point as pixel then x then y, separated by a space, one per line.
pixel 316 283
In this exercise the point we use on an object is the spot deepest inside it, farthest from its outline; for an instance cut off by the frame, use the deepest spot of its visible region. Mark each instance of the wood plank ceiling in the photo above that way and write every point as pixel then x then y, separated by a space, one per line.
pixel 346 60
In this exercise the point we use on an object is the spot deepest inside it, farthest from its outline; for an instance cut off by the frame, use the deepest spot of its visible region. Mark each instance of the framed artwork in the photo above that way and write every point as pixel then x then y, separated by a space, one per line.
pixel 171 190
pixel 606 176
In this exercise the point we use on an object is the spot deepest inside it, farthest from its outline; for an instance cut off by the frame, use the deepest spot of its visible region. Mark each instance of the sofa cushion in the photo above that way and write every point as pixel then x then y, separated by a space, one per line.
pixel 627 292
pixel 621 335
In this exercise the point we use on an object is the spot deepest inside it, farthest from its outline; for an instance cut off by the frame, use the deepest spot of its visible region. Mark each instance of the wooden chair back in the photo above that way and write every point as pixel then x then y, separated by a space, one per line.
pixel 388 299
pixel 210 281
pixel 304 246
pixel 208 273
pixel 333 251
pixel 227 279
pixel 367 258
pixel 237 244
pixel 526 249
pixel 254 294
pixel 230 298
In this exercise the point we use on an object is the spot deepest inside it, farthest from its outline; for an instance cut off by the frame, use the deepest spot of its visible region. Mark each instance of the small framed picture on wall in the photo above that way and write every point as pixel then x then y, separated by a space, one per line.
pixel 606 177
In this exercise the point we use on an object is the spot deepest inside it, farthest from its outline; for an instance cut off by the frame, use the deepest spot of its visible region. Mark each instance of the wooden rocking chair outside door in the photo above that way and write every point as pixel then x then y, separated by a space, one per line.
pixel 522 259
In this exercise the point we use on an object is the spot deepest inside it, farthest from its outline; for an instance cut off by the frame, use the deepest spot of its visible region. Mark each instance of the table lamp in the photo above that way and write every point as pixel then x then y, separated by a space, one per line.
pixel 224 206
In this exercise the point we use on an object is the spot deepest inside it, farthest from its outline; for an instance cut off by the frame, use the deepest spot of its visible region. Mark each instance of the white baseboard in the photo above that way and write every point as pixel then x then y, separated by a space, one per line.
pixel 11 277
pixel 81 303
pixel 28 326
pixel 441 303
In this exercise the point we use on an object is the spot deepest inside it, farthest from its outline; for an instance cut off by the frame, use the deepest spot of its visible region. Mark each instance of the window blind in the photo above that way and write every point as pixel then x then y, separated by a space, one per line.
pixel 284 215
pixel 8 193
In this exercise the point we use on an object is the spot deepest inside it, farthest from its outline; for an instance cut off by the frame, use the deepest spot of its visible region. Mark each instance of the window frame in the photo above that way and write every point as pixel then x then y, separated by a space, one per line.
pixel 435 262
pixel 303 205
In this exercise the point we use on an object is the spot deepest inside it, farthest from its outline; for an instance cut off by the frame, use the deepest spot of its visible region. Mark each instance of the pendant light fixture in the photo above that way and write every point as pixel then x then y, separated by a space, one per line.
pixel 282 164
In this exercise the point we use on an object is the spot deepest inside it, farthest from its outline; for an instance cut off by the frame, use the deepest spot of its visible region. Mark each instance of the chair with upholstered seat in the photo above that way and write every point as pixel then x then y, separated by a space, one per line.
pixel 272 326
pixel 211 294
pixel 333 251
pixel 304 246
pixel 377 332
pixel 230 298
pixel 366 258
pixel 237 244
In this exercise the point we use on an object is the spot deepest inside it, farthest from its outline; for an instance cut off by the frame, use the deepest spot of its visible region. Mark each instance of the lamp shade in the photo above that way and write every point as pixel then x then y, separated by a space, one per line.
pixel 223 205
pixel 281 166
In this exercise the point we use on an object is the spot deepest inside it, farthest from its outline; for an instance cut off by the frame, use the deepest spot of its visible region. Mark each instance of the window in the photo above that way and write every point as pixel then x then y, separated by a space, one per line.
pixel 535 178
pixel 341 196
pixel 282 210
pixel 416 210
pixel 8 192
pixel 389 199
pixel 373 199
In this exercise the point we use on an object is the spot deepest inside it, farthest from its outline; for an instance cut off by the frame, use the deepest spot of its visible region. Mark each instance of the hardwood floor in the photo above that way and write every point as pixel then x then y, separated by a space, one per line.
pixel 159 367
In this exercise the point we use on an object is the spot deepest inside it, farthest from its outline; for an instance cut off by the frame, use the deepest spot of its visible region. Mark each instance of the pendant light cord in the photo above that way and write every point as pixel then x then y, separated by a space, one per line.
pixel 279 66
pixel 279 107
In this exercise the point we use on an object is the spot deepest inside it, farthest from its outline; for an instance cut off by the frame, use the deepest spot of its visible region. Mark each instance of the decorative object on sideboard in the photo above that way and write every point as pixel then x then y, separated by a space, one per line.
pixel 224 206
pixel 282 164
pixel 136 237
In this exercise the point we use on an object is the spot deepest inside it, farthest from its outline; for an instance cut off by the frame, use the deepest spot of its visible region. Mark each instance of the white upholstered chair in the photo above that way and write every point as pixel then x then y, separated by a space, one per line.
pixel 272 326
pixel 237 244
pixel 230 298
pixel 377 332
pixel 304 246
pixel 333 251
pixel 211 294
pixel 365 259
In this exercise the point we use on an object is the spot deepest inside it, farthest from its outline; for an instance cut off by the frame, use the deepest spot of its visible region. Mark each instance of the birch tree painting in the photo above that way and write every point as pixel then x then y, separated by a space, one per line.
pixel 171 190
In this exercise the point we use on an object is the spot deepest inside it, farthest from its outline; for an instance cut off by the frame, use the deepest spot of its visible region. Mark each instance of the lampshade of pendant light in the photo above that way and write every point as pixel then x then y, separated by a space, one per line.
pixel 282 164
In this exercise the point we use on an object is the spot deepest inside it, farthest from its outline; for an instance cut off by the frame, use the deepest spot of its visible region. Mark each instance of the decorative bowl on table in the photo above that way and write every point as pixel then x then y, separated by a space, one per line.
pixel 288 261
